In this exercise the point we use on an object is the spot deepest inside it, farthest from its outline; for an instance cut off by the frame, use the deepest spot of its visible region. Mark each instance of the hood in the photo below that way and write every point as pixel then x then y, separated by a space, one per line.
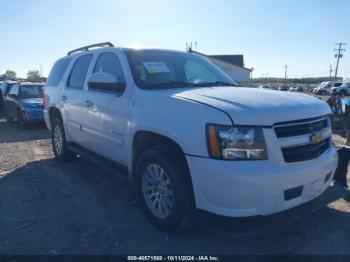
pixel 32 102
pixel 252 106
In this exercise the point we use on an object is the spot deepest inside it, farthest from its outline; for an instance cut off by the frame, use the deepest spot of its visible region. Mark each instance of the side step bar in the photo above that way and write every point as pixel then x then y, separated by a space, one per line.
pixel 110 166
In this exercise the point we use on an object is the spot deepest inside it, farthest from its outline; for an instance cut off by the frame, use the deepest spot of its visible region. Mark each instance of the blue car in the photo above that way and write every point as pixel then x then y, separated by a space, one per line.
pixel 24 102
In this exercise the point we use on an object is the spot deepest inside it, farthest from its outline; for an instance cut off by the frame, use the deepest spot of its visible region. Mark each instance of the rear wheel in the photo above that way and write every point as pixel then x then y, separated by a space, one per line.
pixel 21 119
pixel 59 142
pixel 164 189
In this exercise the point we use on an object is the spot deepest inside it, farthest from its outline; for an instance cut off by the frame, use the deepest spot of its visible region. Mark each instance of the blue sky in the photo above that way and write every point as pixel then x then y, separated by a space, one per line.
pixel 269 33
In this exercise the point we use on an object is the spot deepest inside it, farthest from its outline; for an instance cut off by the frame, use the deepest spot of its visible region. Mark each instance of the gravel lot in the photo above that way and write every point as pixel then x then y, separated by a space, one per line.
pixel 49 207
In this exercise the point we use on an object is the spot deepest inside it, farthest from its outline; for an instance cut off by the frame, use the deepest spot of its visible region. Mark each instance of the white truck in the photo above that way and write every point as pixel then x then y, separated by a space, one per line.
pixel 325 88
pixel 188 136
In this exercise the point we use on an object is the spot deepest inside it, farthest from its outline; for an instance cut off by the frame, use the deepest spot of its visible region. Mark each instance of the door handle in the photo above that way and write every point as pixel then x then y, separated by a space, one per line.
pixel 88 103
pixel 64 98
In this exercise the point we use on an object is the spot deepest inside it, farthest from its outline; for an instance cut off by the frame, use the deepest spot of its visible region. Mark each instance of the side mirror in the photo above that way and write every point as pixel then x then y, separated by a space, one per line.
pixel 107 82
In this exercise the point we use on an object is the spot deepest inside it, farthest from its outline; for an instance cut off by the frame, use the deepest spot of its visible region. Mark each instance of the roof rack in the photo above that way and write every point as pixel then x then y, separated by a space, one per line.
pixel 86 48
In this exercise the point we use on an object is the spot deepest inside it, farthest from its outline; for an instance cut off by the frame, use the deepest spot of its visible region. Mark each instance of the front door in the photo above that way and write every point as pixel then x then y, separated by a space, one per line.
pixel 106 113
pixel 11 102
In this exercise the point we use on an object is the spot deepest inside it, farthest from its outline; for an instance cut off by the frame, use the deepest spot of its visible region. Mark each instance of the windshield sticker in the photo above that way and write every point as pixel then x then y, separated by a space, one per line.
pixel 156 67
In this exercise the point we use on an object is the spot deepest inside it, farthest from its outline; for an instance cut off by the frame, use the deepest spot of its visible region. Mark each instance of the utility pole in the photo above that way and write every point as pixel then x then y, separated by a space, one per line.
pixel 266 77
pixel 330 72
pixel 285 74
pixel 251 75
pixel 338 55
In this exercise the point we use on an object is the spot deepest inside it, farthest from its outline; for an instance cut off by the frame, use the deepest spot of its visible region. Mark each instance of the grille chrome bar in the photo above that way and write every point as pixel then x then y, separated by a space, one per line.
pixel 302 141
pixel 298 129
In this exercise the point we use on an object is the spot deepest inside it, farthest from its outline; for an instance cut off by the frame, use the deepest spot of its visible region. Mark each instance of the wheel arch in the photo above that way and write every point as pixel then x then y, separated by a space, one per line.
pixel 144 140
pixel 54 112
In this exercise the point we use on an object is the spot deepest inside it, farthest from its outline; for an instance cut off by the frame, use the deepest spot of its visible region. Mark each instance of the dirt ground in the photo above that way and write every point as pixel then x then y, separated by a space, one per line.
pixel 49 207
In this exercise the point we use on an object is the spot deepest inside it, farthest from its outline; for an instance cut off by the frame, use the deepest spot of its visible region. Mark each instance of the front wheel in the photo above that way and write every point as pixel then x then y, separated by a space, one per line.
pixel 164 189
pixel 59 142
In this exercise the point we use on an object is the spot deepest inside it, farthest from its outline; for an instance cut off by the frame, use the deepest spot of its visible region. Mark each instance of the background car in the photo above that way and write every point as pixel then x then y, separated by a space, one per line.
pixel 342 90
pixel 299 89
pixel 264 86
pixel 325 87
pixel 24 102
pixel 283 88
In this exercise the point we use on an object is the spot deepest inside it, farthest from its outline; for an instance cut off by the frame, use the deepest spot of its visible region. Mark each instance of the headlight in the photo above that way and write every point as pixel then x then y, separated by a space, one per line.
pixel 236 143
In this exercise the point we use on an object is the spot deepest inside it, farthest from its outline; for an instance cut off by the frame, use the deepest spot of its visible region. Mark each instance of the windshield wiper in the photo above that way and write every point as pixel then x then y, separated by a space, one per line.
pixel 189 84
pixel 173 84
pixel 218 83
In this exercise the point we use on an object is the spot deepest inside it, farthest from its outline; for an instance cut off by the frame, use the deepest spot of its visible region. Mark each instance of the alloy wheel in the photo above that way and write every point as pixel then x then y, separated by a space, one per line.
pixel 157 190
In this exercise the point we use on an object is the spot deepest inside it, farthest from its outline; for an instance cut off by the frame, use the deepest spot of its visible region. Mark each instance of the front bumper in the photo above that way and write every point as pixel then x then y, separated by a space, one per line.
pixel 251 188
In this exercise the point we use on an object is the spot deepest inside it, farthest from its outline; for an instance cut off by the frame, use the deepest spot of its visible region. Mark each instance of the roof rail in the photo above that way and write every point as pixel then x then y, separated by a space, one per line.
pixel 86 48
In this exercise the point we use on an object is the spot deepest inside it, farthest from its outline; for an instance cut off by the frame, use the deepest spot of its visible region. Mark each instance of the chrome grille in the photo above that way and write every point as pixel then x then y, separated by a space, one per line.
pixel 304 140
pixel 301 129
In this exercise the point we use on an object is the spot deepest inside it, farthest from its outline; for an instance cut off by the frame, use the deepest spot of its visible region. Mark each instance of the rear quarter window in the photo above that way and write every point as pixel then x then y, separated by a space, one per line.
pixel 58 71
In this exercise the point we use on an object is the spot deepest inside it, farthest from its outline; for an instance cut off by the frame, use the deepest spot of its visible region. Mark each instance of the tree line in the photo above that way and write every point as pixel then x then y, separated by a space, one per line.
pixel 32 75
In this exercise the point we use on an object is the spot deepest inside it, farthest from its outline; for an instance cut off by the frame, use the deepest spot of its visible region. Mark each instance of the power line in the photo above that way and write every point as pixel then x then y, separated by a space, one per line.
pixel 338 56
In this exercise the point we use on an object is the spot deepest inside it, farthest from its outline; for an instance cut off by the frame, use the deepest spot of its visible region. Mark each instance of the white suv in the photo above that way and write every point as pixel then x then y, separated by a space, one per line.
pixel 188 136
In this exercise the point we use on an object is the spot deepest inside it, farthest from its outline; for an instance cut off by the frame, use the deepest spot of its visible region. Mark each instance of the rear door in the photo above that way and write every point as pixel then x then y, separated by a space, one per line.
pixel 106 112
pixel 11 101
pixel 71 97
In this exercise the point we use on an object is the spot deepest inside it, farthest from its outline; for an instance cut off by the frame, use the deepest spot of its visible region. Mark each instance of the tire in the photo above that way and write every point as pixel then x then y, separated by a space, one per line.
pixel 342 93
pixel 9 119
pixel 21 119
pixel 59 142
pixel 176 189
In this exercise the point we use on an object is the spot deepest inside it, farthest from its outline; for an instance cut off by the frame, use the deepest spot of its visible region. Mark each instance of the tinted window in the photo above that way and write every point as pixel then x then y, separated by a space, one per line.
pixel 57 72
pixel 79 71
pixel 109 63
pixel 31 91
pixel 337 84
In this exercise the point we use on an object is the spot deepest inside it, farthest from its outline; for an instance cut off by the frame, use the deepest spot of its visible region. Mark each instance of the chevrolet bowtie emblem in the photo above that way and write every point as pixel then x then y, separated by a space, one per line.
pixel 315 138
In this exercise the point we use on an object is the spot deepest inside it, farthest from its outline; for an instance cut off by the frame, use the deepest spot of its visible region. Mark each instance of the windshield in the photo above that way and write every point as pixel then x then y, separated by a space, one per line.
pixel 31 91
pixel 170 69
